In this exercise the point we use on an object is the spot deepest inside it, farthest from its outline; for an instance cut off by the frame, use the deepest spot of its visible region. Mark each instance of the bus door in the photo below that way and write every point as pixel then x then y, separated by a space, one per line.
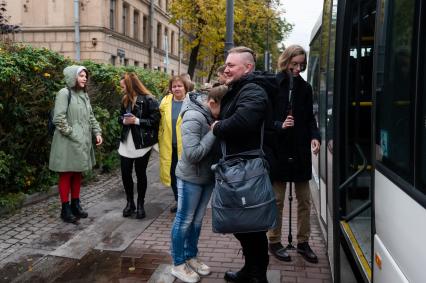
pixel 352 163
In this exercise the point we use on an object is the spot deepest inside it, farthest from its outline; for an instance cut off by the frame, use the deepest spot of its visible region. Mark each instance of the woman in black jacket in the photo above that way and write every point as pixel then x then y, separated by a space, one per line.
pixel 294 135
pixel 139 118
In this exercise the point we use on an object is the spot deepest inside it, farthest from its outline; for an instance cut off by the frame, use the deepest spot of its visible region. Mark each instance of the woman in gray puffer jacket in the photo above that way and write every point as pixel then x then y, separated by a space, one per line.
pixel 195 181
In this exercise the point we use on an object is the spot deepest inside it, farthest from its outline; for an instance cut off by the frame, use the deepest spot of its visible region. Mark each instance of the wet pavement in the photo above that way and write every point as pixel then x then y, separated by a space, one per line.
pixel 36 246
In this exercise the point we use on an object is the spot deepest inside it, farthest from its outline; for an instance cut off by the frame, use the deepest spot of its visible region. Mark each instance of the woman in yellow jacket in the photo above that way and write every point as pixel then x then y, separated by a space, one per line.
pixel 169 136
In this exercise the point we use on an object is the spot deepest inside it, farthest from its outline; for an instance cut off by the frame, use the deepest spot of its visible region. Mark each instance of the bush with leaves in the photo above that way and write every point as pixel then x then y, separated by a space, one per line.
pixel 29 80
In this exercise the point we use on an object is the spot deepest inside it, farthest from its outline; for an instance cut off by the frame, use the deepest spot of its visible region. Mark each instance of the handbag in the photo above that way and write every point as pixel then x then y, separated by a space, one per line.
pixel 243 199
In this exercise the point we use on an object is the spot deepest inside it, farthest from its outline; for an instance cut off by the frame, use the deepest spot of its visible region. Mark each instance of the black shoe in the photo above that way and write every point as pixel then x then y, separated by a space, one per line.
pixel 129 209
pixel 66 213
pixel 140 210
pixel 173 209
pixel 305 250
pixel 77 210
pixel 278 251
pixel 237 277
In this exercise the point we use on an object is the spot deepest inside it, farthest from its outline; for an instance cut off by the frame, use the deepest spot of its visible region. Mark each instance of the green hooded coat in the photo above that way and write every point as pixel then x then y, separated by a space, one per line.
pixel 72 147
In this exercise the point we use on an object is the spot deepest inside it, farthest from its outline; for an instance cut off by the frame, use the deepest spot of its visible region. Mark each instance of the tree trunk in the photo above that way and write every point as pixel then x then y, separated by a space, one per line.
pixel 212 69
pixel 193 60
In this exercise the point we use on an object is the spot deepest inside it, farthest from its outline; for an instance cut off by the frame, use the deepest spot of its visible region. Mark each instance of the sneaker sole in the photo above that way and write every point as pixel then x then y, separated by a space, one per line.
pixel 183 279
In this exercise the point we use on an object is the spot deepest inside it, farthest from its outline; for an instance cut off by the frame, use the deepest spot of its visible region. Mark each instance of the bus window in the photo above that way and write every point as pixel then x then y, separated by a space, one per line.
pixel 395 103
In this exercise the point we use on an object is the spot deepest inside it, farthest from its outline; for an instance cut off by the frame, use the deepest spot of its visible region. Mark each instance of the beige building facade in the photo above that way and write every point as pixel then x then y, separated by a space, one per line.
pixel 120 32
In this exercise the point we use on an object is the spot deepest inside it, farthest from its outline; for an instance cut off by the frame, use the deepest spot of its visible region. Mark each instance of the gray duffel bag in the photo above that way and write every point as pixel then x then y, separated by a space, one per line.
pixel 243 199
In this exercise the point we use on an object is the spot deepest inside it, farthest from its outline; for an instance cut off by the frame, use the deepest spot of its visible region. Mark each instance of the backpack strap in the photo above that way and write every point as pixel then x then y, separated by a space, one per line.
pixel 69 98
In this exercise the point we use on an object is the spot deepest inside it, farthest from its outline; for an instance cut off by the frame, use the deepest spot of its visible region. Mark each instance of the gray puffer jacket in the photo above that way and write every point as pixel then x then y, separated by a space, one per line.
pixel 197 141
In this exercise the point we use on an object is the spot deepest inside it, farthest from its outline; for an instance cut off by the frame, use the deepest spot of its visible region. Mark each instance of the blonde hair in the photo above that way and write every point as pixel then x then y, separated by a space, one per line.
pixel 243 49
pixel 288 54
pixel 181 79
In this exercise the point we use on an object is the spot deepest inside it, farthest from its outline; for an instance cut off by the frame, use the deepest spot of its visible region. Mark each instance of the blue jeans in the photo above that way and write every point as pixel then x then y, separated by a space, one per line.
pixel 192 204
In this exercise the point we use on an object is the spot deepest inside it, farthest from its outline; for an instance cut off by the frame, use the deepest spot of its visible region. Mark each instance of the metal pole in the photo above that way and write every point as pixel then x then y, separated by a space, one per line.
pixel 166 58
pixel 267 57
pixel 180 46
pixel 77 29
pixel 229 41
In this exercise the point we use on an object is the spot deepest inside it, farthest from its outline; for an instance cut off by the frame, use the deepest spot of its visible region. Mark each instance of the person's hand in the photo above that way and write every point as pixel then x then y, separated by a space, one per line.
pixel 288 123
pixel 99 140
pixel 315 146
pixel 128 120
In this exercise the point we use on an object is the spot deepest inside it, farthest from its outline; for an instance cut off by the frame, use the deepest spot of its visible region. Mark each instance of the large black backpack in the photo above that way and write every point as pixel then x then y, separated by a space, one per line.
pixel 50 125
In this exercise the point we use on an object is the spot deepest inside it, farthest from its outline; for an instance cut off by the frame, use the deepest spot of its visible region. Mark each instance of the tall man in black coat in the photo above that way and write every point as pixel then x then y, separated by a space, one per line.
pixel 242 113
pixel 294 135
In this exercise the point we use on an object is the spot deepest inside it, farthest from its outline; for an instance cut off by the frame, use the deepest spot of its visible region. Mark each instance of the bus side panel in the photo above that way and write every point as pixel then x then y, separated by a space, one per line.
pixel 389 271
pixel 401 228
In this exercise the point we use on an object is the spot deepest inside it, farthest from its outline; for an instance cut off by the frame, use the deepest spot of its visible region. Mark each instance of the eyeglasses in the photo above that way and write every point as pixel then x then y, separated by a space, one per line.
pixel 296 64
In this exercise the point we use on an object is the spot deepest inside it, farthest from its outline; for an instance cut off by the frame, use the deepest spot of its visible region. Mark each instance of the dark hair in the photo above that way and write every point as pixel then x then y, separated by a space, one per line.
pixel 217 93
pixel 134 87
pixel 77 87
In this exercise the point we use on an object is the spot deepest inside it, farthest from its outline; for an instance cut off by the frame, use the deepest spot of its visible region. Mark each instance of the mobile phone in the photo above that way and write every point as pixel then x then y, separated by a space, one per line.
pixel 128 115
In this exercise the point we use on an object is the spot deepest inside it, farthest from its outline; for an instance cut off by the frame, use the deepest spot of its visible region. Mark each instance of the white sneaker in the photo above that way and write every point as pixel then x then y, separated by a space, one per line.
pixel 184 273
pixel 198 266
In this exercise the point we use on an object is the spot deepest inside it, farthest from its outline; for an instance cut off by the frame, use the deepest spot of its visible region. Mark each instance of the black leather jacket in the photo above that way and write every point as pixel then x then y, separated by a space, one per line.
pixel 146 133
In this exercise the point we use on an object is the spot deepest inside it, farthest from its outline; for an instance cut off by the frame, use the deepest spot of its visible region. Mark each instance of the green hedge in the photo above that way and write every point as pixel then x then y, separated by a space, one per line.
pixel 29 80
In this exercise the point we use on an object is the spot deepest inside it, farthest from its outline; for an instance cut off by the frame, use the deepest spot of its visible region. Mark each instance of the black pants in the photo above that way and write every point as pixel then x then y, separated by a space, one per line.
pixel 141 164
pixel 173 170
pixel 255 251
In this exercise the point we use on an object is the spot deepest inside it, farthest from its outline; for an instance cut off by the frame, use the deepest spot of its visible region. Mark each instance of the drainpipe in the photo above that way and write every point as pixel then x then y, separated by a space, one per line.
pixel 151 35
pixel 77 29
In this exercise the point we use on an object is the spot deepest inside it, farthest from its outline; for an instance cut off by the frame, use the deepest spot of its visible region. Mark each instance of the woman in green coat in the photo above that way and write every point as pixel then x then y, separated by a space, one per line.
pixel 72 149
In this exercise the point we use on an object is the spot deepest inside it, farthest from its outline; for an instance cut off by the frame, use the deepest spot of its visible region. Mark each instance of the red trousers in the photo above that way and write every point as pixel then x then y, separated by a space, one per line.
pixel 69 182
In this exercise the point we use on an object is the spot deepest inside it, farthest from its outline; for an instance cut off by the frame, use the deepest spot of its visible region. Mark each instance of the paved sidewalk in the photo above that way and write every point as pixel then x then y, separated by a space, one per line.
pixel 36 246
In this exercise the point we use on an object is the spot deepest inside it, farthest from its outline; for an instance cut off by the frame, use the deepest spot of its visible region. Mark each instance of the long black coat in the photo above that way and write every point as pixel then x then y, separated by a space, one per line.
pixel 293 142
pixel 242 113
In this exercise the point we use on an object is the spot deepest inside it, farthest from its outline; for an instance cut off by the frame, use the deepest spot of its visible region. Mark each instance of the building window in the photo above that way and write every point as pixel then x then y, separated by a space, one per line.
pixel 145 66
pixel 136 25
pixel 145 28
pixel 159 39
pixel 173 72
pixel 136 63
pixel 125 18
pixel 167 6
pixel 113 60
pixel 172 42
pixel 126 62
pixel 112 5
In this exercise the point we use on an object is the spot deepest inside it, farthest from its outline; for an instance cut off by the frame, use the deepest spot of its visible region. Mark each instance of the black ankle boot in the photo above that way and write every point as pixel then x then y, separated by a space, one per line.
pixel 140 210
pixel 241 276
pixel 77 210
pixel 66 213
pixel 130 208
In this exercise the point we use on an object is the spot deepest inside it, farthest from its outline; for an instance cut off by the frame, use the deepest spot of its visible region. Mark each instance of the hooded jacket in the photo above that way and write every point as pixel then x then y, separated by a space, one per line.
pixel 72 147
pixel 197 141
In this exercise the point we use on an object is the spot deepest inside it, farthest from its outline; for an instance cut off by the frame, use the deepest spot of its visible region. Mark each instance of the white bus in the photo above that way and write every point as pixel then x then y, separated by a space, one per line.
pixel 367 66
